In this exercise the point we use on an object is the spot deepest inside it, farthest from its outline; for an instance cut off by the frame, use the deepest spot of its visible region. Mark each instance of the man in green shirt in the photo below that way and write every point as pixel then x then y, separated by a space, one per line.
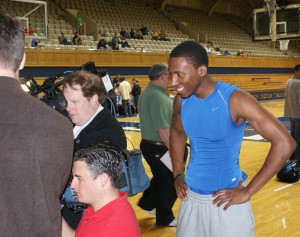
pixel 155 108
pixel 79 24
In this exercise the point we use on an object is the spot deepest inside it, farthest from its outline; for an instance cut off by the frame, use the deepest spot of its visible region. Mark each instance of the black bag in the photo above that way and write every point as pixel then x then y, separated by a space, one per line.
pixel 289 173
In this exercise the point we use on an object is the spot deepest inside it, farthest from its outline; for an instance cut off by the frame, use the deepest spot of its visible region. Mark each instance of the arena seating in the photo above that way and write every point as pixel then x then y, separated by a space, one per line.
pixel 225 32
pixel 111 17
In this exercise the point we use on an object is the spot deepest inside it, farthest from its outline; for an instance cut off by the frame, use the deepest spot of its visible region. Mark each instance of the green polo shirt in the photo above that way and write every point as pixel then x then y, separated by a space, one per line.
pixel 155 111
pixel 79 20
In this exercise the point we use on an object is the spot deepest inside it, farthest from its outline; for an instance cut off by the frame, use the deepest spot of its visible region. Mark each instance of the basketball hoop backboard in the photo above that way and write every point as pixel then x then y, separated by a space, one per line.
pixel 33 14
pixel 284 23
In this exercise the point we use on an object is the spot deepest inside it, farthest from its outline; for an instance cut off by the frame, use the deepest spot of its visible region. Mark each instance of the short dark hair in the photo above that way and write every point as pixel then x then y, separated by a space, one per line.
pixel 297 68
pixel 12 41
pixel 90 84
pixel 157 70
pixel 193 52
pixel 102 159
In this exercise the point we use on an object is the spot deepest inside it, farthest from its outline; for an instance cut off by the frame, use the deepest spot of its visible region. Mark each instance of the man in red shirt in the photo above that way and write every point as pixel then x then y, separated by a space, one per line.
pixel 97 172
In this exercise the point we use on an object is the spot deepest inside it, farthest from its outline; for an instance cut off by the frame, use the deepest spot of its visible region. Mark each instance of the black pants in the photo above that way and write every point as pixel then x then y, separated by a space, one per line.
pixel 127 108
pixel 136 99
pixel 161 194
pixel 295 133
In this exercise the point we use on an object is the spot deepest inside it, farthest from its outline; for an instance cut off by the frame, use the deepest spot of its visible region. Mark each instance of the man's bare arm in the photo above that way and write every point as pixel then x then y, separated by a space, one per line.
pixel 177 149
pixel 245 107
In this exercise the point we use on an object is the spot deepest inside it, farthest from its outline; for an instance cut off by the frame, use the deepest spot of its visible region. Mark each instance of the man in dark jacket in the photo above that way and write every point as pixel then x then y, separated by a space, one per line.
pixel 94 123
pixel 136 92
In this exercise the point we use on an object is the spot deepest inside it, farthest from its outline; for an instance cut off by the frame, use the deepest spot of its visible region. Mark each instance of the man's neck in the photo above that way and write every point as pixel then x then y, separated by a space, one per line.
pixel 107 197
pixel 8 73
pixel 159 83
pixel 206 87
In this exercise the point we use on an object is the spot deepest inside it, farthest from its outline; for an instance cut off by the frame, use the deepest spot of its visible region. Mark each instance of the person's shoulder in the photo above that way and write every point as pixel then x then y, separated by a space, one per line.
pixel 104 114
pixel 51 120
pixel 241 96
pixel 227 87
pixel 228 91
pixel 106 117
pixel 126 217
pixel 225 84
pixel 59 120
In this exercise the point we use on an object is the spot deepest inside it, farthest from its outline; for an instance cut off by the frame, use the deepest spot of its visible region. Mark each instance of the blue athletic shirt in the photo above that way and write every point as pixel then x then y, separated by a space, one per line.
pixel 215 141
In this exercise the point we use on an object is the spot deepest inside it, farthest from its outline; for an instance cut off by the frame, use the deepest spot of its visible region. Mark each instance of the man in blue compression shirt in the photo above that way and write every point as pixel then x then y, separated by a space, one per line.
pixel 215 199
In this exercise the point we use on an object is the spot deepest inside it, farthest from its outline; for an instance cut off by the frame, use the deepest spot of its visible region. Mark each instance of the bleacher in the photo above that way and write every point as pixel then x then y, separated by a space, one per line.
pixel 111 17
pixel 225 32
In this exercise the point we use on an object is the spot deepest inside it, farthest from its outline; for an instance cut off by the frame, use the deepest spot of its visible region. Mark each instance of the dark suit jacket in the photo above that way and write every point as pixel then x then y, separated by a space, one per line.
pixel 104 129
pixel 36 151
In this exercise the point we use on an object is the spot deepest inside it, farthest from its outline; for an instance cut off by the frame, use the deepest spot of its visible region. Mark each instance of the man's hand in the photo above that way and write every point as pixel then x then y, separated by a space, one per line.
pixel 232 196
pixel 181 188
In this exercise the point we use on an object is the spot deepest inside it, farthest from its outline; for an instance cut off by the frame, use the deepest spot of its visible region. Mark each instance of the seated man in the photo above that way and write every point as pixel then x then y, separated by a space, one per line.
pixel 154 35
pixel 63 39
pixel 144 30
pixel 138 34
pixel 124 33
pixel 132 33
pixel 97 172
pixel 102 44
pixel 163 36
pixel 124 43
pixel 77 39
pixel 34 43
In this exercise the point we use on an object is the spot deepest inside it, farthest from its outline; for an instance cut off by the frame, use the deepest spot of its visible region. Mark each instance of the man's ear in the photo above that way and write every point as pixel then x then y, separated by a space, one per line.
pixel 94 98
pixel 103 179
pixel 202 70
pixel 22 62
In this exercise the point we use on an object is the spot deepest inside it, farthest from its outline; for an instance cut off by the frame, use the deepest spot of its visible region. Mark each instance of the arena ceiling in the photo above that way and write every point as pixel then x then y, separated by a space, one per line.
pixel 210 6
pixel 248 6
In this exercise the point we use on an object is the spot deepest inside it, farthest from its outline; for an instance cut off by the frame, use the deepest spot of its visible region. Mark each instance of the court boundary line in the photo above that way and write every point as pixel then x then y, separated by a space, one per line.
pixel 285 186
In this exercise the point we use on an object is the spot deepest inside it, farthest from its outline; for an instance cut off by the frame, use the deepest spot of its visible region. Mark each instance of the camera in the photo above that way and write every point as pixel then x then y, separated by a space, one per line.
pixel 49 92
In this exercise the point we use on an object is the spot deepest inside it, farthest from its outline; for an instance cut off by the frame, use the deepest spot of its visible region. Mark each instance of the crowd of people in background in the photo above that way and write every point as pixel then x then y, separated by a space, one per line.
pixel 126 96
pixel 120 40
pixel 117 42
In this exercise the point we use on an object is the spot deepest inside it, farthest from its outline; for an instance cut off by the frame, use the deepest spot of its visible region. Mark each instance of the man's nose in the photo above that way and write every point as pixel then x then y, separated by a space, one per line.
pixel 73 184
pixel 174 80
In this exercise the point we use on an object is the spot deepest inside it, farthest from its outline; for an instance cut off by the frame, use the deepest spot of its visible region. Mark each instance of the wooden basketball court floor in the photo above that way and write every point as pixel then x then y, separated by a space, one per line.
pixel 276 206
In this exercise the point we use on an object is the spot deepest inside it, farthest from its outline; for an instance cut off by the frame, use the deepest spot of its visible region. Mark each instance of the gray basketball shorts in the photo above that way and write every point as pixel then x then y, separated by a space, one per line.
pixel 198 217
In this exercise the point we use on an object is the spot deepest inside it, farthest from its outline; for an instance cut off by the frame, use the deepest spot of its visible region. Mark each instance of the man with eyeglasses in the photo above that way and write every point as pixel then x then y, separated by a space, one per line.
pixel 155 109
